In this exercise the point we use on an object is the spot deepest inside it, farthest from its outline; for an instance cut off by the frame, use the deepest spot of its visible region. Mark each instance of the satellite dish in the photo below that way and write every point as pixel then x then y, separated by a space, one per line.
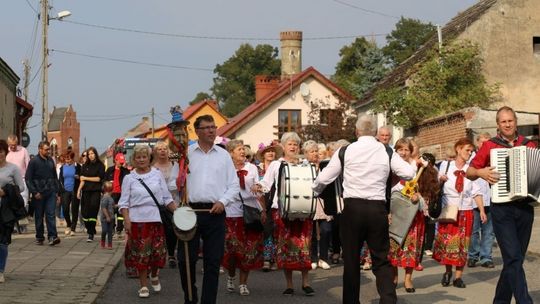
pixel 304 89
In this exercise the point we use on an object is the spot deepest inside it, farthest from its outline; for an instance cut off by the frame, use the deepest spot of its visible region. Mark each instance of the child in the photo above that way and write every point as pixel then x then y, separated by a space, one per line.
pixel 107 212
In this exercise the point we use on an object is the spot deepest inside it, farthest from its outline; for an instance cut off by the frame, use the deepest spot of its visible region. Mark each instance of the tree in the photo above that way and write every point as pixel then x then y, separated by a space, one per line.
pixel 326 124
pixel 362 65
pixel 446 82
pixel 200 97
pixel 406 38
pixel 234 86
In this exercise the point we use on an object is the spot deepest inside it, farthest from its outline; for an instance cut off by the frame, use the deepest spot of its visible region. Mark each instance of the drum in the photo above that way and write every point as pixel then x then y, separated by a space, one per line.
pixel 403 212
pixel 185 223
pixel 296 199
pixel 332 194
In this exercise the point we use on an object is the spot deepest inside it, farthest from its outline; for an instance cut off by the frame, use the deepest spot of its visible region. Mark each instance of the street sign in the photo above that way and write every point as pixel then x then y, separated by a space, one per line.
pixel 25 139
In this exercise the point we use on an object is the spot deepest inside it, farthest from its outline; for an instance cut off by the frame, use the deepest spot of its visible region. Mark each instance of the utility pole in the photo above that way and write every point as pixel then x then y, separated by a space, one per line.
pixel 153 113
pixel 26 78
pixel 44 70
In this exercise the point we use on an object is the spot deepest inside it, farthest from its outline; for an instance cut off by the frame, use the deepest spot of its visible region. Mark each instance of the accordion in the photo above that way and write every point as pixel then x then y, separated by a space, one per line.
pixel 519 170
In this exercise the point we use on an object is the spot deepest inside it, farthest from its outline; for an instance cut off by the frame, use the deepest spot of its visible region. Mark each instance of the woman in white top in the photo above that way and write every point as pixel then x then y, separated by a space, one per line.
pixel 243 247
pixel 145 247
pixel 9 174
pixel 452 241
pixel 293 237
pixel 164 165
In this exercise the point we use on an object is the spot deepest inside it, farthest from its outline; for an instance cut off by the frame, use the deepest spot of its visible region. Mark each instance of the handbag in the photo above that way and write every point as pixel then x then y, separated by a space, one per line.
pixel 165 214
pixel 435 208
pixel 252 217
pixel 403 213
pixel 449 214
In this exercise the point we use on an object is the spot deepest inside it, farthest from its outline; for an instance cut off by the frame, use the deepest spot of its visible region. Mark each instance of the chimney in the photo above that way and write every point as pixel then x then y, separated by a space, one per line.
pixel 291 53
pixel 264 85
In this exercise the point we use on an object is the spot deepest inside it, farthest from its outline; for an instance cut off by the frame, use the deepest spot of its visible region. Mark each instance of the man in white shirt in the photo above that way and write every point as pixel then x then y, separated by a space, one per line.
pixel 212 184
pixel 365 217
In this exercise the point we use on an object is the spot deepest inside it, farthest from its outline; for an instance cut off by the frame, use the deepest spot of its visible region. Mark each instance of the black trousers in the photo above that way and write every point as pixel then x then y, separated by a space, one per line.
pixel 366 220
pixel 89 210
pixel 211 229
pixel 70 205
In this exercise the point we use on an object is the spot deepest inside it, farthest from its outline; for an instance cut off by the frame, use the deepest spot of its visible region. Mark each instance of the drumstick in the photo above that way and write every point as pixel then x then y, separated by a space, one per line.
pixel 188 271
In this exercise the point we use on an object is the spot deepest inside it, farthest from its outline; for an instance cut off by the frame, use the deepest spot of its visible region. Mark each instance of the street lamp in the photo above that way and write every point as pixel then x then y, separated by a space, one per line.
pixel 45 65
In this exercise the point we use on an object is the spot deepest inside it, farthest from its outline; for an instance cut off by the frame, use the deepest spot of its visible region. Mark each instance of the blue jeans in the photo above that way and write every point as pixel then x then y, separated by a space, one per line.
pixel 3 257
pixel 512 223
pixel 45 208
pixel 480 249
pixel 319 248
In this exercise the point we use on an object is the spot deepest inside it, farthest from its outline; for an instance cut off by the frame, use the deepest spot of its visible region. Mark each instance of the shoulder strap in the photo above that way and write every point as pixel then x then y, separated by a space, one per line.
pixel 149 191
pixel 525 141
pixel 341 155
pixel 500 142
pixel 388 192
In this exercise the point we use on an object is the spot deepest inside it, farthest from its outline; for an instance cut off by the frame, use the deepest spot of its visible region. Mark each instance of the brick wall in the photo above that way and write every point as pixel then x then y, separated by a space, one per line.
pixel 437 135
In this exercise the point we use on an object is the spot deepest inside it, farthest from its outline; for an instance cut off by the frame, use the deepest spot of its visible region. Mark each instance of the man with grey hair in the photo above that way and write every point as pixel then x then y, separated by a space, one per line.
pixel 366 168
pixel 384 135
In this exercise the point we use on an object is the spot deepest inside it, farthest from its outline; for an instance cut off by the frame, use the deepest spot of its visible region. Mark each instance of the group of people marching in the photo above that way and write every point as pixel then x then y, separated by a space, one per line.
pixel 222 180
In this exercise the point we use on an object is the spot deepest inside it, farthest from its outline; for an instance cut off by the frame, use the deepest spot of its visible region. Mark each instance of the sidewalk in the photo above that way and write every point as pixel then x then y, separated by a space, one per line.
pixel 73 271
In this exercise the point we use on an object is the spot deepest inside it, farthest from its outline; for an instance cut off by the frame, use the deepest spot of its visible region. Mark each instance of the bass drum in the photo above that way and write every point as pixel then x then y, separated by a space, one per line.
pixel 296 199
pixel 185 223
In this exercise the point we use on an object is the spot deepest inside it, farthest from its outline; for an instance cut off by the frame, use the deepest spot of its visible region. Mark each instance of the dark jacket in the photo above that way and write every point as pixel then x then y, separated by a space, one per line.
pixel 109 174
pixel 93 169
pixel 41 176
pixel 12 204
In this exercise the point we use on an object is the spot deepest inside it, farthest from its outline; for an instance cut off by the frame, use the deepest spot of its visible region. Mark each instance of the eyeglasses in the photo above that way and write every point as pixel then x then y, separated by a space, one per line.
pixel 207 128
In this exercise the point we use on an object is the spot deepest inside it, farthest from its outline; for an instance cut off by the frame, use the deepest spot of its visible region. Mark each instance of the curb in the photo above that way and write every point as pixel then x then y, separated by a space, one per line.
pixel 103 277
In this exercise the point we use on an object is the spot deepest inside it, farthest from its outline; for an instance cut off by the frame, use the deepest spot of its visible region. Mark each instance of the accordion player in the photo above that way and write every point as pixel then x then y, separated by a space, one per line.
pixel 519 169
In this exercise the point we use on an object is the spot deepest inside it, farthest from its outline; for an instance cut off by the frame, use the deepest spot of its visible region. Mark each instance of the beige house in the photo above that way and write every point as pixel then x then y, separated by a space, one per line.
pixel 284 103
pixel 508 33
pixel 8 104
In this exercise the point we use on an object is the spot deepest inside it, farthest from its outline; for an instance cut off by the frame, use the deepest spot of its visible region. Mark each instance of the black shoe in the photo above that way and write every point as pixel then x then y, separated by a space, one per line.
pixel 288 292
pixel 38 242
pixel 410 290
pixel 308 291
pixel 172 262
pixel 488 264
pixel 458 283
pixel 446 279
pixel 54 241
pixel 472 263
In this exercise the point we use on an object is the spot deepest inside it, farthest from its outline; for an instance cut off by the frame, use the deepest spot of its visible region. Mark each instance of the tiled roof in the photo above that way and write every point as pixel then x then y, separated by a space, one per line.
pixel 451 30
pixel 285 87
pixel 194 108
pixel 56 118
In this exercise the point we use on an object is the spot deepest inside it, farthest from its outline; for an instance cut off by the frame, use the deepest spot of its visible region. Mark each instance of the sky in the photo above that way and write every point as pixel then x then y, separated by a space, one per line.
pixel 172 65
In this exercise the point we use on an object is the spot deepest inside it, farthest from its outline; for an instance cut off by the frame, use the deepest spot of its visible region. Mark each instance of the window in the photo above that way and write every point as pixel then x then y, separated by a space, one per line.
pixel 289 121
pixel 536 46
pixel 330 117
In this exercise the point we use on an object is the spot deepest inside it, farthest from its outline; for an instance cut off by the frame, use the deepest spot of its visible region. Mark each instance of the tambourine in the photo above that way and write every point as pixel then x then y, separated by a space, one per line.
pixel 185 223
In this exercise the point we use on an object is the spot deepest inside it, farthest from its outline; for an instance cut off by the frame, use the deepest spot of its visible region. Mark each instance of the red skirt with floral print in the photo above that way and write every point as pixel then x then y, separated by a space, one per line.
pixel 245 246
pixel 451 245
pixel 293 243
pixel 409 254
pixel 145 247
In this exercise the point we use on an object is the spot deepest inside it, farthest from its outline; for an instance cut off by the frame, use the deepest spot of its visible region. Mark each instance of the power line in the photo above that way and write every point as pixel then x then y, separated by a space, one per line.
pixel 365 9
pixel 133 61
pixel 32 7
pixel 190 36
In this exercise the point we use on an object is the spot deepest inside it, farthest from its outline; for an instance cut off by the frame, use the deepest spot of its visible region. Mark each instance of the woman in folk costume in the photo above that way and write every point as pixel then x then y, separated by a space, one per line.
pixel 293 236
pixel 408 256
pixel 452 241
pixel 266 155
pixel 243 247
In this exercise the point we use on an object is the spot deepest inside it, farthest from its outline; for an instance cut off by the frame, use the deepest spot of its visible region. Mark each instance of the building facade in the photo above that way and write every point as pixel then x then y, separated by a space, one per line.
pixel 64 131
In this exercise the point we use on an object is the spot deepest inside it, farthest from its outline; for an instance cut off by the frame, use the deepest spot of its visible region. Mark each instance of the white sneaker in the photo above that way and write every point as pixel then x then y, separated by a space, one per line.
pixel 67 231
pixel 156 287
pixel 230 284
pixel 428 252
pixel 244 291
pixel 2 279
pixel 144 292
pixel 313 266
pixel 322 264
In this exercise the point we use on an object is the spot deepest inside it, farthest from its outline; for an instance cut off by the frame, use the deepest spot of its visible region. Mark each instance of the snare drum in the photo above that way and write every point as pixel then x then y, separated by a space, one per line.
pixel 185 223
pixel 296 198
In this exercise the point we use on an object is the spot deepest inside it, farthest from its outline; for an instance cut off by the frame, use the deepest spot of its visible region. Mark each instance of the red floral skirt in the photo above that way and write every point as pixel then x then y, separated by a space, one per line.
pixel 452 241
pixel 245 246
pixel 145 247
pixel 293 243
pixel 409 254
